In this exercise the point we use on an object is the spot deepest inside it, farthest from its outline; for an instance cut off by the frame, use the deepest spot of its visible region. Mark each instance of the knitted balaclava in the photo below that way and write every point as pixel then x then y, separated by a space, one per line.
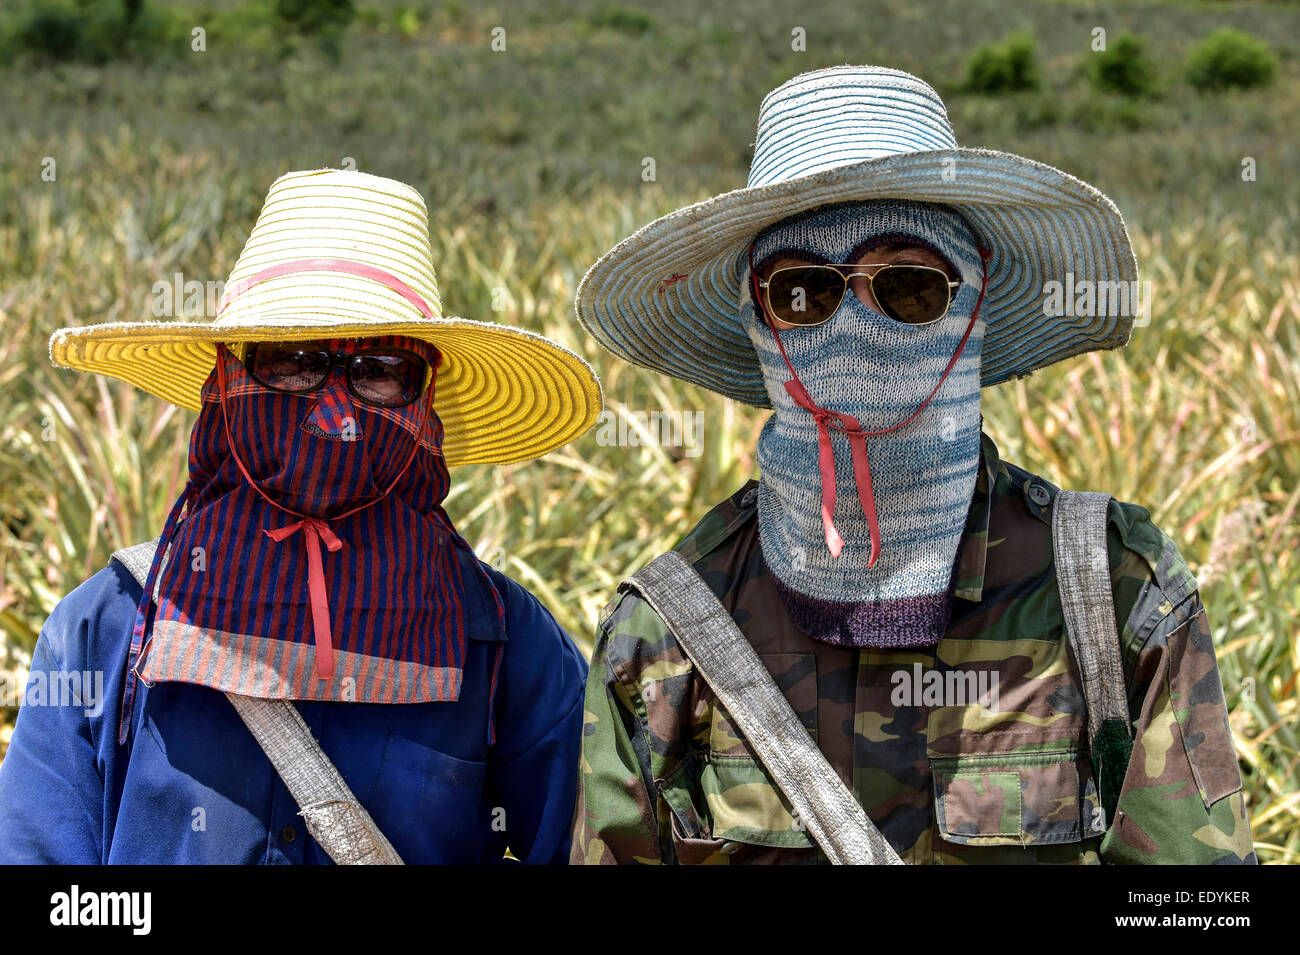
pixel 915 481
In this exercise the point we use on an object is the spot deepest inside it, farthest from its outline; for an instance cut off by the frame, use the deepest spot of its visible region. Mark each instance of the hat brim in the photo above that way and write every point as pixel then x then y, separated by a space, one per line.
pixel 667 297
pixel 503 394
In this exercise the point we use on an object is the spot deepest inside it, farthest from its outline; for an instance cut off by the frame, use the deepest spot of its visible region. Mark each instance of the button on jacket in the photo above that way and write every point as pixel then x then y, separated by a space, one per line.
pixel 191 784
pixel 668 777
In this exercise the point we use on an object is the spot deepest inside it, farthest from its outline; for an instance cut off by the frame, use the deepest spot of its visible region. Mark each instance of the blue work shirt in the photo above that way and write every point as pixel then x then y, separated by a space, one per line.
pixel 191 785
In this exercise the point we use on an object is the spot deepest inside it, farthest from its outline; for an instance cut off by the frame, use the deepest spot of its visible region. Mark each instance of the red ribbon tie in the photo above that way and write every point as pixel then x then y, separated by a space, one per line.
pixel 847 425
pixel 314 531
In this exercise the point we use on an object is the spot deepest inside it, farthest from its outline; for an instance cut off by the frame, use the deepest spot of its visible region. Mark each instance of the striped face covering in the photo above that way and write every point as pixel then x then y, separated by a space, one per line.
pixel 309 557
pixel 869 461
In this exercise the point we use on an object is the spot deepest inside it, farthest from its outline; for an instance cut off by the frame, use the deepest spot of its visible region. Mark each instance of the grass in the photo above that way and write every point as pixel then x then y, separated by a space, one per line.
pixel 531 161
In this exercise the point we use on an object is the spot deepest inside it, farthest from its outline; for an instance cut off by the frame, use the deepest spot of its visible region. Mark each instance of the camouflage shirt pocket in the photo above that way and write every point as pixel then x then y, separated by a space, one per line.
pixel 728 812
pixel 680 792
pixel 1015 799
pixel 723 799
pixel 745 805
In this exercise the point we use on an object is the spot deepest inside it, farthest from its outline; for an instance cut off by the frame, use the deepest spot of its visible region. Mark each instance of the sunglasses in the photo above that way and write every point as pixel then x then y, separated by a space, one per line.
pixel 383 375
pixel 810 294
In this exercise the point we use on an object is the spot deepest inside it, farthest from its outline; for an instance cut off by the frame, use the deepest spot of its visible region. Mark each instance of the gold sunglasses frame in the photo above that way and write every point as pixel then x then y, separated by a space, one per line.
pixel 766 285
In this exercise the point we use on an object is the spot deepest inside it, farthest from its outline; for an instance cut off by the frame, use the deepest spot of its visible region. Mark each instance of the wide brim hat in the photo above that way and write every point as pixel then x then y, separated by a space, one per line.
pixel 668 296
pixel 344 254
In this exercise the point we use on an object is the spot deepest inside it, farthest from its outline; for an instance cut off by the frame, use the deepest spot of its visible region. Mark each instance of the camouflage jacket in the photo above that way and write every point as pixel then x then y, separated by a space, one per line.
pixel 666 777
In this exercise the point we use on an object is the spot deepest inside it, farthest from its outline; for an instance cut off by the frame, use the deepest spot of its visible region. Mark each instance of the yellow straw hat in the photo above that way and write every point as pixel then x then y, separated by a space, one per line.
pixel 342 254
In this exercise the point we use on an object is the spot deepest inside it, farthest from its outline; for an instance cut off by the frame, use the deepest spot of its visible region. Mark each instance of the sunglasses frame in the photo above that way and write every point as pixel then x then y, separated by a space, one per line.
pixel 338 359
pixel 837 268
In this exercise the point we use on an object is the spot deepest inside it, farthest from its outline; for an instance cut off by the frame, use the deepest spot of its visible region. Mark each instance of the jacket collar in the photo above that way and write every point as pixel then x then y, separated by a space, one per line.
pixel 975 539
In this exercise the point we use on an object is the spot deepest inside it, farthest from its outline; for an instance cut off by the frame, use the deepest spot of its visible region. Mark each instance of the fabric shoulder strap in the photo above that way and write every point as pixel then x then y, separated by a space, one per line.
pixel 728 663
pixel 334 816
pixel 1088 605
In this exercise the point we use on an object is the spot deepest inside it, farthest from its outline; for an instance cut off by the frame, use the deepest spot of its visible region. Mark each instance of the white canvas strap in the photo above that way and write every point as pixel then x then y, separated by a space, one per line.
pixel 333 815
pixel 728 663
pixel 1088 603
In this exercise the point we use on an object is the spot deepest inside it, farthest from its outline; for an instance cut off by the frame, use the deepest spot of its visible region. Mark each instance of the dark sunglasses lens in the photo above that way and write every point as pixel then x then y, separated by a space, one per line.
pixel 388 378
pixel 805 296
pixel 911 294
pixel 291 366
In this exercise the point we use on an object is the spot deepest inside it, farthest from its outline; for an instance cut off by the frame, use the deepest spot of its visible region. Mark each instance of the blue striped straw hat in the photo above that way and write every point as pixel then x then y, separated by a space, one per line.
pixel 667 297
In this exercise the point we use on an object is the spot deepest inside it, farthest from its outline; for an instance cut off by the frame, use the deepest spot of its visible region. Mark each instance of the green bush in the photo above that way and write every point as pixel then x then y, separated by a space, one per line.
pixel 1227 58
pixel 89 31
pixel 316 16
pixel 253 26
pixel 1004 67
pixel 52 32
pixel 326 21
pixel 622 19
pixel 407 21
pixel 1123 68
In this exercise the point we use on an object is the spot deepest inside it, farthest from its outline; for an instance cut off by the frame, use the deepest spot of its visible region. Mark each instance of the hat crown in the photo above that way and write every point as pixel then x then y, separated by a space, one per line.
pixel 844 115
pixel 330 241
